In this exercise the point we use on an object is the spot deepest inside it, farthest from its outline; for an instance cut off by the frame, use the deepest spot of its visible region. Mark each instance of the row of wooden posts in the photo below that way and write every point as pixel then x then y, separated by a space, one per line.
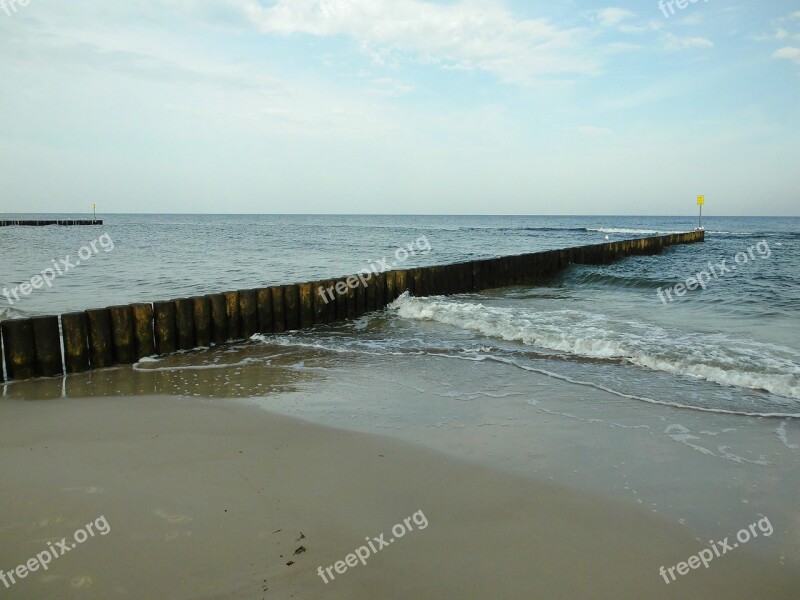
pixel 7 223
pixel 51 345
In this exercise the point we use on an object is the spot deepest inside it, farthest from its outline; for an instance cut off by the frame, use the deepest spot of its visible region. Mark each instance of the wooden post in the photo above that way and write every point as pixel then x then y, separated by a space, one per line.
pixel 466 282
pixel 477 275
pixel 320 299
pixel 596 254
pixel 380 291
pixel 278 309
pixel 332 301
pixel 351 297
pixel 500 271
pixel 555 262
pixel 519 273
pixel 201 309
pixel 76 342
pixel 460 277
pixel 391 288
pixel 418 287
pixel 291 299
pixel 219 318
pixel 607 253
pixel 145 342
pixel 371 285
pixel 401 281
pixel 164 326
pixel 184 323
pixel 234 316
pixel 443 279
pixel 101 346
pixel 122 338
pixel 340 299
pixel 47 341
pixel 450 278
pixel 264 303
pixel 360 293
pixel 306 291
pixel 248 309
pixel 429 281
pixel 529 270
pixel 561 259
pixel 19 348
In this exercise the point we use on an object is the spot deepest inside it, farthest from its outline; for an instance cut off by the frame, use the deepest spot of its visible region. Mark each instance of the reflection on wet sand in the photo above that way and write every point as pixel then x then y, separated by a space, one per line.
pixel 240 371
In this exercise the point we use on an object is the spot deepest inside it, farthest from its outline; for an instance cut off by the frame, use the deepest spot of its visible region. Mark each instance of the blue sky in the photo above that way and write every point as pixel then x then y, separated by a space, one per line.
pixel 400 106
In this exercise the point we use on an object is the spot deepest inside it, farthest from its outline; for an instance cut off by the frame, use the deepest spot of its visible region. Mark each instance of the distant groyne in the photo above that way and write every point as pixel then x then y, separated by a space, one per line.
pixel 50 346
pixel 28 223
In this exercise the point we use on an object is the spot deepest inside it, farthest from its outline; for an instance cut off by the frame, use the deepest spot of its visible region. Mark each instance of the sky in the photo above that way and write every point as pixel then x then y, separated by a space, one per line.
pixel 400 106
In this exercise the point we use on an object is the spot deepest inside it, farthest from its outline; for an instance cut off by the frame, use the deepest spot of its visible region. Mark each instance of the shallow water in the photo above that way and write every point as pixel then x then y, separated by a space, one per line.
pixel 733 347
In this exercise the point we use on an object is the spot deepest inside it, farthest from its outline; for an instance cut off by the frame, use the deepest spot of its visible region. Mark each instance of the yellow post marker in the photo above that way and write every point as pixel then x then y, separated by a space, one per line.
pixel 701 200
pixel 94 210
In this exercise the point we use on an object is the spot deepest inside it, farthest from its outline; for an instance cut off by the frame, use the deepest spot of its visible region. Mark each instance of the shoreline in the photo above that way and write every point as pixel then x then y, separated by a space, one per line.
pixel 98 338
pixel 219 493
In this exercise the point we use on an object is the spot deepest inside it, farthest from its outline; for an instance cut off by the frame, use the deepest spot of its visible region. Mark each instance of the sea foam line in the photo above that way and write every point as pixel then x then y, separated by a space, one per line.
pixel 587 335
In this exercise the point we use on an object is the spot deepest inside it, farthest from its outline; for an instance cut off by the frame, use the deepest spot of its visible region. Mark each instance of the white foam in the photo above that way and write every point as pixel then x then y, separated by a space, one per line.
pixel 241 363
pixel 603 388
pixel 624 230
pixel 716 358
pixel 681 434
pixel 149 359
pixel 781 431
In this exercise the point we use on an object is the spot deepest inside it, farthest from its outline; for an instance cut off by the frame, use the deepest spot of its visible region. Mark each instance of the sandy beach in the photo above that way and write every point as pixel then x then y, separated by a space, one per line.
pixel 399 299
pixel 211 498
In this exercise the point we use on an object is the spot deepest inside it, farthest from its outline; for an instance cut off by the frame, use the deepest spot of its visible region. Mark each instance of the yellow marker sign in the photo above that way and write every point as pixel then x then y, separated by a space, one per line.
pixel 701 200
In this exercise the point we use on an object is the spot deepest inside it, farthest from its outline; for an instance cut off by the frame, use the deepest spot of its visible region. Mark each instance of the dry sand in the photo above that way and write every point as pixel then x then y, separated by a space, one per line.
pixel 208 499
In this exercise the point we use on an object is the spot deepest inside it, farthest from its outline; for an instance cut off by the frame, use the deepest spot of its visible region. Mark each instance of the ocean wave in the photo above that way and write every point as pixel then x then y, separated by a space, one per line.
pixel 394 347
pixel 717 358
pixel 538 229
pixel 648 400
pixel 594 278
pixel 624 230
pixel 760 234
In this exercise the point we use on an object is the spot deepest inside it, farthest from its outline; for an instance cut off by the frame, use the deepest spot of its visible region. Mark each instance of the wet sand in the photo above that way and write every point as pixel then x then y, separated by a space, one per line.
pixel 211 499
pixel 709 473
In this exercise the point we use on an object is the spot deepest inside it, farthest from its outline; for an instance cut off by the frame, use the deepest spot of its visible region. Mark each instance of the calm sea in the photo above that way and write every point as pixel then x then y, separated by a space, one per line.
pixel 732 347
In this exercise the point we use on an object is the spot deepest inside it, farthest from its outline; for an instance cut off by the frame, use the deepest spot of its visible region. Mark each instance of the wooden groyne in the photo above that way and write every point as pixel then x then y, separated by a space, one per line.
pixel 71 343
pixel 29 223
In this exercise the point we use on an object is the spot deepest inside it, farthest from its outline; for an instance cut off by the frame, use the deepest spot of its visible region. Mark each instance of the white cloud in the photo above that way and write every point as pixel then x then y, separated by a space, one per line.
pixel 692 20
pixel 673 42
pixel 781 32
pixel 623 21
pixel 466 34
pixel 177 79
pixel 788 53
pixel 611 17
